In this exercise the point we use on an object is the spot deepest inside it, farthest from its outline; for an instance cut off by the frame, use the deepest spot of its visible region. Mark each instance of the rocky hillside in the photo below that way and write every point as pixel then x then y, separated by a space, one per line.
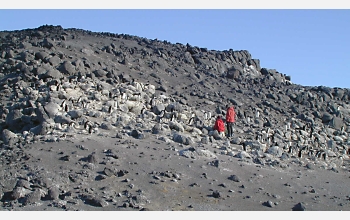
pixel 57 83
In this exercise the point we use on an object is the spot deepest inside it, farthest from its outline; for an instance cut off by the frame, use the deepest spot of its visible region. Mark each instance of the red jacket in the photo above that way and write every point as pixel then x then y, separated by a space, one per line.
pixel 230 115
pixel 219 125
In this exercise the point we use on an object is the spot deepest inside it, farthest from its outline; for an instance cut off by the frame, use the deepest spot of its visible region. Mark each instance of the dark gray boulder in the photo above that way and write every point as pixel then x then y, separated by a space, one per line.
pixel 107 126
pixel 336 123
pixel 52 73
pixel 100 73
pixel 51 109
pixel 53 193
pixel 75 114
pixel 138 134
pixel 234 178
pixel 326 117
pixel 48 43
pixel 9 138
pixel 41 115
pixel 157 109
pixel 26 56
pixel 13 120
pixel 33 197
pixel 299 207
pixel 182 139
pixel 94 201
pixel 41 129
pixel 41 55
pixel 54 61
pixel 62 119
pixel 234 72
pixel 67 68
pixel 157 129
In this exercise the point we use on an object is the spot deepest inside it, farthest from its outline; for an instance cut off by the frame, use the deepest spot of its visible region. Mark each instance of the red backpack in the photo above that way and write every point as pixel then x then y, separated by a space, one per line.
pixel 219 125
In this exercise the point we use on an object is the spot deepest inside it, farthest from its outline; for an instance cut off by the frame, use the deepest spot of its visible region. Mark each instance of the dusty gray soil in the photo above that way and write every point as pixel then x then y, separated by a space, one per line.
pixel 163 180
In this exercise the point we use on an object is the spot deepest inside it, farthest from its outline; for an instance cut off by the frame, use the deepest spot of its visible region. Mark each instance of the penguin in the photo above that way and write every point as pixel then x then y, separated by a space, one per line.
pixel 257 114
pixel 162 113
pixel 66 108
pixel 110 109
pixel 244 146
pixel 300 154
pixel 79 100
pixel 311 131
pixel 192 118
pixel 189 121
pixel 124 96
pixel 312 153
pixel 63 103
pixel 290 150
pixel 143 110
pixel 173 114
pixel 257 137
pixel 151 102
pixel 72 124
pixel 87 125
pixel 84 104
pixel 91 130
pixel 324 155
pixel 319 154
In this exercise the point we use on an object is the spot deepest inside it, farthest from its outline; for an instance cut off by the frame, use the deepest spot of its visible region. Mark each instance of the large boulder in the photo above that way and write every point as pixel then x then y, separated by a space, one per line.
pixel 336 123
pixel 9 138
pixel 41 55
pixel 54 61
pixel 67 68
pixel 14 120
pixel 326 117
pixel 62 119
pixel 74 114
pixel 138 134
pixel 157 109
pixel 176 126
pixel 48 43
pixel 100 73
pixel 51 109
pixel 157 129
pixel 275 151
pixel 234 72
pixel 41 129
pixel 182 139
pixel 41 115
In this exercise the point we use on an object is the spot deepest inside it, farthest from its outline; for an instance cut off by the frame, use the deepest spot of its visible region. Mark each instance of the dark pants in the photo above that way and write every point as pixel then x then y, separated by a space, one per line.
pixel 229 126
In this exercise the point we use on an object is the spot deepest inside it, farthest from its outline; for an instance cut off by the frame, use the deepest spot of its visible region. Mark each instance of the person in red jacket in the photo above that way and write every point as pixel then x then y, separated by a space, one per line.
pixel 219 125
pixel 230 119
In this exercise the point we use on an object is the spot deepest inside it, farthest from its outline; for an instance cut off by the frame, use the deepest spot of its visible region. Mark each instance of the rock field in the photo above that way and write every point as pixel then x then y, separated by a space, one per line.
pixel 114 122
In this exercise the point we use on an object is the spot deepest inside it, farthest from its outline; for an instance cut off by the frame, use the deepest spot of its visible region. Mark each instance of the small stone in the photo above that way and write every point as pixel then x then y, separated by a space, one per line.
pixel 223 185
pixel 234 178
pixel 65 158
pixel 299 207
pixel 216 194
pixel 269 204
pixel 108 171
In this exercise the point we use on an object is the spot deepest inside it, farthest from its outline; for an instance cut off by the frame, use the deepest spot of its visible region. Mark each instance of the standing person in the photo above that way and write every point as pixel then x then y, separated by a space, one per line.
pixel 230 119
pixel 220 126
